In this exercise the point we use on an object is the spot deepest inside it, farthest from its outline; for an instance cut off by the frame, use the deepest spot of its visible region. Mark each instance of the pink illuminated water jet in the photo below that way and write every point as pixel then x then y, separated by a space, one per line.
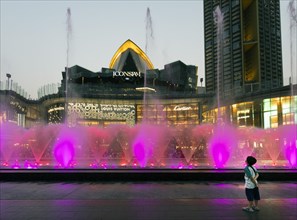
pixel 289 143
pixel 64 153
pixel 146 146
pixel 221 144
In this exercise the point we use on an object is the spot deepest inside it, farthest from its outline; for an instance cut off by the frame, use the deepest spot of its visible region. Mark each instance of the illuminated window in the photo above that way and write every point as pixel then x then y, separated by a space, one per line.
pixel 289 110
pixel 274 121
pixel 270 113
pixel 243 114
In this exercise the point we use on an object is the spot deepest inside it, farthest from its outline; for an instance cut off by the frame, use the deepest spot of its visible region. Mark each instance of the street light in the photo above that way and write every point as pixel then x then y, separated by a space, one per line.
pixel 8 75
pixel 201 80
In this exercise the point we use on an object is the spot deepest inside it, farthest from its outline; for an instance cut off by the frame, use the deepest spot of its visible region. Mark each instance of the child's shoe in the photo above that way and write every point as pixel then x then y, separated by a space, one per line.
pixel 248 209
pixel 256 208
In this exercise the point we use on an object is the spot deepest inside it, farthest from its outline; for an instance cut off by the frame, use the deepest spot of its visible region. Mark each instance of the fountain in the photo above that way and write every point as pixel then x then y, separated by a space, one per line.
pixel 222 140
pixel 147 146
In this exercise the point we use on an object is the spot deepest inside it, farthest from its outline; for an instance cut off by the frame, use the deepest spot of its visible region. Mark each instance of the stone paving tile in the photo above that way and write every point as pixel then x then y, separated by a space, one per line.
pixel 146 209
pixel 143 201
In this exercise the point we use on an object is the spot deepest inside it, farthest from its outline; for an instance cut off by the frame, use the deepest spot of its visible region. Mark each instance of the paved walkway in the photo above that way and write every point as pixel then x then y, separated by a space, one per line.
pixel 143 200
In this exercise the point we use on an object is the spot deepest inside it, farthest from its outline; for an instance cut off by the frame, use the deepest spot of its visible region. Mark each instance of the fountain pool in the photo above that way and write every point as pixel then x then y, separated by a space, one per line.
pixel 146 146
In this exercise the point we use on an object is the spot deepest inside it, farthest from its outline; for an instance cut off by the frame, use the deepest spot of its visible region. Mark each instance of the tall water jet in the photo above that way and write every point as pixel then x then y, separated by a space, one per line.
pixel 64 148
pixel 149 36
pixel 149 29
pixel 143 144
pixel 220 145
pixel 219 19
pixel 69 34
pixel 293 29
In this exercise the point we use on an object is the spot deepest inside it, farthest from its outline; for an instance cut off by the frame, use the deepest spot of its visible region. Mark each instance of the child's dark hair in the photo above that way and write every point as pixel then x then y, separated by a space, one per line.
pixel 250 160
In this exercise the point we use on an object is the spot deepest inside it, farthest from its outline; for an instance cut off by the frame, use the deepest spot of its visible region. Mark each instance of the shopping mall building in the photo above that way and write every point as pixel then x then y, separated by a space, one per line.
pixel 131 90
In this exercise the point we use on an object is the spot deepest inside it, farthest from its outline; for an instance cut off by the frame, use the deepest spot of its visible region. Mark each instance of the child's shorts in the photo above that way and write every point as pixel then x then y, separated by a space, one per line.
pixel 252 194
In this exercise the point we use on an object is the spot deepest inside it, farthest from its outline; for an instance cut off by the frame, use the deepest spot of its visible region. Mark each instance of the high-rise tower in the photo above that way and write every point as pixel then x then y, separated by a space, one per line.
pixel 251 54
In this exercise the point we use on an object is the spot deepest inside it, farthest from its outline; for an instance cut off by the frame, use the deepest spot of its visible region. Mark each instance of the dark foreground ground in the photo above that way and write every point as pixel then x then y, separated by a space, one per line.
pixel 143 200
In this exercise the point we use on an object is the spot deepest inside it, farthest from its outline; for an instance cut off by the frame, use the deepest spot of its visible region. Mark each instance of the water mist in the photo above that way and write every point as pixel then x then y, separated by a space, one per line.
pixel 68 35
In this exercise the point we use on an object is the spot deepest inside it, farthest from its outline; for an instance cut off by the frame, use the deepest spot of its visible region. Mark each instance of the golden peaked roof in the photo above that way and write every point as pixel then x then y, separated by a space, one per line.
pixel 140 58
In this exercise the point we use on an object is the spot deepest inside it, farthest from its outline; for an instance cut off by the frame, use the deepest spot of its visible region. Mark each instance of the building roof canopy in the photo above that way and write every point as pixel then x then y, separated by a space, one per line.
pixel 129 57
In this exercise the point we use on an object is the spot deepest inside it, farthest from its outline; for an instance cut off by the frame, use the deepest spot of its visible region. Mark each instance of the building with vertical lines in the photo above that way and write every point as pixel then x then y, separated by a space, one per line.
pixel 251 59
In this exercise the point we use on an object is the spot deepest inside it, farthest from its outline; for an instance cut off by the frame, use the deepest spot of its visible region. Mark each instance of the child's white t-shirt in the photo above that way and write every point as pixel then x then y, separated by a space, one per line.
pixel 249 172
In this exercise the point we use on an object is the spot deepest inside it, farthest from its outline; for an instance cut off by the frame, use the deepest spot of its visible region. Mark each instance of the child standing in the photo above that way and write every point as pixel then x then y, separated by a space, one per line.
pixel 251 185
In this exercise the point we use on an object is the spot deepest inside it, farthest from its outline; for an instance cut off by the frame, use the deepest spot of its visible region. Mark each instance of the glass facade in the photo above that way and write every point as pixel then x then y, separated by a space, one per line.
pixel 266 113
pixel 106 114
pixel 278 111
pixel 170 114
pixel 252 55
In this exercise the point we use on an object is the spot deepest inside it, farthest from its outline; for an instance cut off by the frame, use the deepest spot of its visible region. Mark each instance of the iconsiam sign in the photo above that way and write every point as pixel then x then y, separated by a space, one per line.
pixel 126 74
pixel 146 146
